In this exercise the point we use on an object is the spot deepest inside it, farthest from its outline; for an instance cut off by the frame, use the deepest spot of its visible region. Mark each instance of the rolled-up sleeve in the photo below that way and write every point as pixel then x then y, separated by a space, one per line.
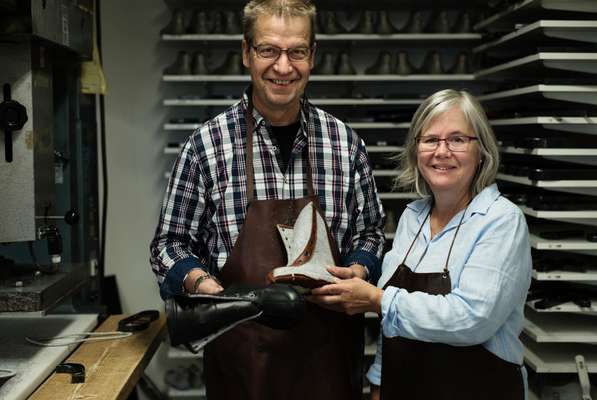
pixel 173 248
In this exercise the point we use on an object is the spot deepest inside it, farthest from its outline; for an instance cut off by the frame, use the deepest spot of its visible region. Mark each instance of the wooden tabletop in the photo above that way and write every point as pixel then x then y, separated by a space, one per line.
pixel 112 367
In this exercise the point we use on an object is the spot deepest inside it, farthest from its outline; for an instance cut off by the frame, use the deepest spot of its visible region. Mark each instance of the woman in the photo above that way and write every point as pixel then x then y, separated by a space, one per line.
pixel 453 287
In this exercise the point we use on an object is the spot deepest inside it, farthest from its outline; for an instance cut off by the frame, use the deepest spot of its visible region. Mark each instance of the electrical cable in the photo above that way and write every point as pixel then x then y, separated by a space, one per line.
pixel 102 111
pixel 78 338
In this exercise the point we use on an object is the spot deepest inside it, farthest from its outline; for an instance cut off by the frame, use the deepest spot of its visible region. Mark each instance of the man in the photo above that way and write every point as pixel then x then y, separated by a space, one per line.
pixel 277 152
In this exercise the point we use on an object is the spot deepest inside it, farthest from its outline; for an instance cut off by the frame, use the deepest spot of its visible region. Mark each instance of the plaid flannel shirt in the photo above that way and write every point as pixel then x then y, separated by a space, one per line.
pixel 206 200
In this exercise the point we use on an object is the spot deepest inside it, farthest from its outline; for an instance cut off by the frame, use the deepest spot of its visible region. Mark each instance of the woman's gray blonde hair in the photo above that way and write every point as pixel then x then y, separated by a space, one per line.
pixel 281 8
pixel 409 177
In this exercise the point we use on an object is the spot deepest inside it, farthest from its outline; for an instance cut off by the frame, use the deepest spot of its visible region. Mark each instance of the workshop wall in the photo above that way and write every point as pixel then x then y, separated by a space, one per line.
pixel 134 143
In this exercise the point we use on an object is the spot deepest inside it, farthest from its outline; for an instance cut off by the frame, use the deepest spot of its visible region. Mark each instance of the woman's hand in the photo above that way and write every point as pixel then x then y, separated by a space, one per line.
pixel 349 294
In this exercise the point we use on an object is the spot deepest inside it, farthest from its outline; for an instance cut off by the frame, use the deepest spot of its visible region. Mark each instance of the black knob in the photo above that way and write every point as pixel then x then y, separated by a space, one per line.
pixel 13 116
pixel 71 217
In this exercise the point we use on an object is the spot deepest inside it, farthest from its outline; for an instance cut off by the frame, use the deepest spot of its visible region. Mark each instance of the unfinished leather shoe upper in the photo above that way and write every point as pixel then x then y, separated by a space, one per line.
pixel 232 25
pixel 198 24
pixel 384 25
pixel 181 66
pixel 176 24
pixel 462 64
pixel 415 23
pixel 308 251
pixel 232 66
pixel 199 65
pixel 383 65
pixel 433 64
pixel 366 23
pixel 330 26
pixel 344 66
pixel 325 65
pixel 403 65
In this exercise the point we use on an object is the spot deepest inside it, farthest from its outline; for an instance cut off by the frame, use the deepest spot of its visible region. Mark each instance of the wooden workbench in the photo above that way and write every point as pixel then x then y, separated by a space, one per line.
pixel 112 367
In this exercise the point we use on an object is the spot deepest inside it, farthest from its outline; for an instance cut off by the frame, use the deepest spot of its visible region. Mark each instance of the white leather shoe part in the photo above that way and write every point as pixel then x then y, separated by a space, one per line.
pixel 308 250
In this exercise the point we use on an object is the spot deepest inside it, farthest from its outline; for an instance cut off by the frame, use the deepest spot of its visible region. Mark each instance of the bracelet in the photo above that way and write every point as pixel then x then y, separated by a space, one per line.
pixel 202 278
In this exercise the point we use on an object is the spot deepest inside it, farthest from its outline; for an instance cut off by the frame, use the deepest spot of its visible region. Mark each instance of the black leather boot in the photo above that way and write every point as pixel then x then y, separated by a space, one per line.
pixel 403 65
pixel 383 65
pixel 199 65
pixel 384 25
pixel 232 66
pixel 344 66
pixel 433 64
pixel 181 66
pixel 198 24
pixel 441 23
pixel 202 318
pixel 366 23
pixel 325 65
pixel 232 24
pixel 176 24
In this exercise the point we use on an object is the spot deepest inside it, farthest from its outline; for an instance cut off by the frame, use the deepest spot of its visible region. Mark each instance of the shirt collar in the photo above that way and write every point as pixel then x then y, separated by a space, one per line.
pixel 480 203
pixel 259 119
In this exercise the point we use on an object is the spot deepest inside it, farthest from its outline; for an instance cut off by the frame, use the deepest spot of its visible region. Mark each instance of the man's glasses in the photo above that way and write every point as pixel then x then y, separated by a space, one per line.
pixel 454 143
pixel 270 52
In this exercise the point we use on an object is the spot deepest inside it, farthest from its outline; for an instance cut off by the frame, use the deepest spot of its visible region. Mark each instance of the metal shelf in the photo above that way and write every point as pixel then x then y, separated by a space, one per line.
pixel 398 196
pixel 566 276
pixel 354 125
pixel 548 184
pixel 317 102
pixel 542 33
pixel 191 393
pixel 384 149
pixel 584 94
pixel 558 358
pixel 586 125
pixel 571 155
pixel 562 244
pixel 379 125
pixel 385 172
pixel 585 217
pixel 321 37
pixel 551 152
pixel 532 10
pixel 568 328
pixel 534 64
pixel 325 78
pixel 566 308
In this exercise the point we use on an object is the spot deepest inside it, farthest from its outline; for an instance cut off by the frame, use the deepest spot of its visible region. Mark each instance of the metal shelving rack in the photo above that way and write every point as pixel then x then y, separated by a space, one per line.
pixel 560 78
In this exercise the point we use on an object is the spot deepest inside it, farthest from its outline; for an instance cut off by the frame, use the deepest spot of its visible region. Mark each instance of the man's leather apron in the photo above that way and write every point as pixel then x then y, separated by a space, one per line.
pixel 412 369
pixel 320 359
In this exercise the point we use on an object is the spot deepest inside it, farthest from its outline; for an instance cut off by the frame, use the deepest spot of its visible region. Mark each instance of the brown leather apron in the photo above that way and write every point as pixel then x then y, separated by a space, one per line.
pixel 320 359
pixel 412 369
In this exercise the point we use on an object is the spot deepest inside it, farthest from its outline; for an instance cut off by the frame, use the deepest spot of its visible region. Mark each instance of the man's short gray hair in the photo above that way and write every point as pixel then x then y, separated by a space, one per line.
pixel 281 8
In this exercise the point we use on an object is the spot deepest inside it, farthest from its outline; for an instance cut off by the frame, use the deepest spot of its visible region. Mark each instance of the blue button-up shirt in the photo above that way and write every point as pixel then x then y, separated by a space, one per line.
pixel 490 270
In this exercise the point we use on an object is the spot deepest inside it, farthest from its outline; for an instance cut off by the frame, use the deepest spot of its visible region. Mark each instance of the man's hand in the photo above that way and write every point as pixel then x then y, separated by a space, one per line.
pixel 206 286
pixel 350 294
pixel 374 392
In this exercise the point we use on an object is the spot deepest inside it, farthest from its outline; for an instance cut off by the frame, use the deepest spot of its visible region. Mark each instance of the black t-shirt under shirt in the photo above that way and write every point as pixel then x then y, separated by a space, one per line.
pixel 283 137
